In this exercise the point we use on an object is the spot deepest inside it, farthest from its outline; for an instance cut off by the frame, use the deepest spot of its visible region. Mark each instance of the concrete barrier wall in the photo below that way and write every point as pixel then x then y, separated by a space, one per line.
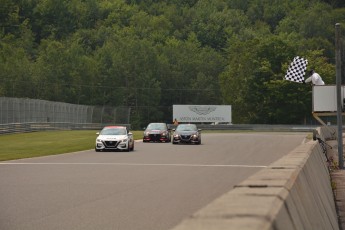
pixel 293 193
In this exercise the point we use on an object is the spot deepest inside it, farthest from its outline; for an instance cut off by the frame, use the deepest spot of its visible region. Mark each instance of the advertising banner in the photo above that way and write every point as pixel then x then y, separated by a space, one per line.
pixel 202 113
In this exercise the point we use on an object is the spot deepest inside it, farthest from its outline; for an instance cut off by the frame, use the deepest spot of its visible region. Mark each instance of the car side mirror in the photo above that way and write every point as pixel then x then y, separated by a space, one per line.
pixel 130 133
pixel 97 133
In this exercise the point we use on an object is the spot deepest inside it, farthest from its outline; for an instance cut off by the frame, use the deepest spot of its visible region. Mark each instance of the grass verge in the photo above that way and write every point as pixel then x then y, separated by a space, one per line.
pixel 27 145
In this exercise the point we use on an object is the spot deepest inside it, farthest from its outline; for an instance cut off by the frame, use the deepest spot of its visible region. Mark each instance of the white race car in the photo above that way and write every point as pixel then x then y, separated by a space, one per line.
pixel 114 138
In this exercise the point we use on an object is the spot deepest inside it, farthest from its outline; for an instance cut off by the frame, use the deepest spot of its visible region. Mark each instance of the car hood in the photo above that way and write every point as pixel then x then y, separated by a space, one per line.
pixel 112 137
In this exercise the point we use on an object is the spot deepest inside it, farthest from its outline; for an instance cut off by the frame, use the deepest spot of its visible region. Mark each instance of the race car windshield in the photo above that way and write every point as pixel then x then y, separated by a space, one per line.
pixel 113 132
pixel 186 128
pixel 157 126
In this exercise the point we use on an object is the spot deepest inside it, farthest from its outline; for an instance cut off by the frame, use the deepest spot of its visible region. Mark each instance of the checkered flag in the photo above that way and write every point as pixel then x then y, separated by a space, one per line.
pixel 297 70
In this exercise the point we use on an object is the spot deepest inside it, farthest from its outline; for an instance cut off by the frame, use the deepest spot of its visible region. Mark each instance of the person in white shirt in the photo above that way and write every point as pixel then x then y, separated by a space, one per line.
pixel 314 78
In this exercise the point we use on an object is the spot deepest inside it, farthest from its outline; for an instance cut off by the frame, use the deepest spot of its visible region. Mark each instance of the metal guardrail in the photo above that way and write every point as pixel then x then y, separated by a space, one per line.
pixel 44 126
pixel 258 127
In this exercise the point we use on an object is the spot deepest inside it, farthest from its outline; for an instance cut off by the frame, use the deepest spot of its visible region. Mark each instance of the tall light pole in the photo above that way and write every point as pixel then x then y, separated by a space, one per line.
pixel 339 98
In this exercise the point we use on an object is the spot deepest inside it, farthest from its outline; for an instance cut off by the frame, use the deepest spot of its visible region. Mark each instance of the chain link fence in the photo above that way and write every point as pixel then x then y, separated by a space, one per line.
pixel 25 115
pixel 18 115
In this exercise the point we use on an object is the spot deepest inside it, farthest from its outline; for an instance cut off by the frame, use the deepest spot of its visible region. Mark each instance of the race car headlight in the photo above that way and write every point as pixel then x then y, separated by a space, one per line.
pixel 124 140
pixel 175 135
pixel 98 140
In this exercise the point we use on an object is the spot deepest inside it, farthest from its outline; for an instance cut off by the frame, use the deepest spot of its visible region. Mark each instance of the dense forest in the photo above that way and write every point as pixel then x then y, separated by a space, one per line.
pixel 151 54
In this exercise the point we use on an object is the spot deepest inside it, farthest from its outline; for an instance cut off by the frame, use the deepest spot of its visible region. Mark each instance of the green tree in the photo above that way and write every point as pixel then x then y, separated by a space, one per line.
pixel 152 54
pixel 285 102
pixel 15 71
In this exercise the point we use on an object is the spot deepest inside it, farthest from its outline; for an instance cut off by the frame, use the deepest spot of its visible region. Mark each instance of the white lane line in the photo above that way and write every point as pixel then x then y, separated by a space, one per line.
pixel 133 164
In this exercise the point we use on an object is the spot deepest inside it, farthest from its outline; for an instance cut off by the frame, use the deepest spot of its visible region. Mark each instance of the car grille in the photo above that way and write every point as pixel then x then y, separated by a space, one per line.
pixel 185 137
pixel 111 144
pixel 155 137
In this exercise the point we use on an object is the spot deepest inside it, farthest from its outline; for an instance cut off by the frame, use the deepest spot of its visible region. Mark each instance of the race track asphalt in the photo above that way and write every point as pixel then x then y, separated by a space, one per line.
pixel 154 187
